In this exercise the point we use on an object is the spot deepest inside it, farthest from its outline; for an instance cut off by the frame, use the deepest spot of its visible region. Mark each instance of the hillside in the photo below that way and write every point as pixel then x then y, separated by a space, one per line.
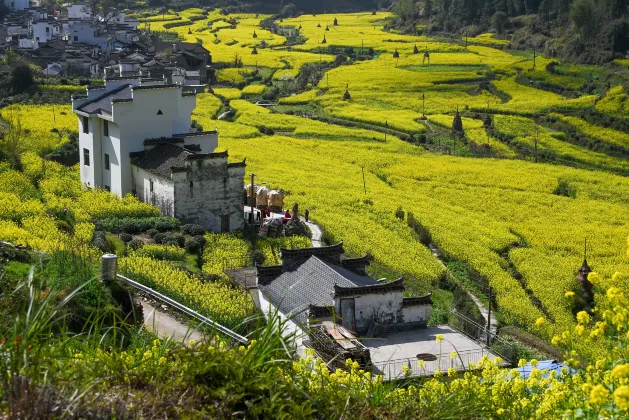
pixel 472 168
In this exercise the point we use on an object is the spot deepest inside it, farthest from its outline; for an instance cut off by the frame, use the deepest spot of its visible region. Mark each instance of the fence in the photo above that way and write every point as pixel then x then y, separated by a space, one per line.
pixel 109 268
pixel 392 369
pixel 480 334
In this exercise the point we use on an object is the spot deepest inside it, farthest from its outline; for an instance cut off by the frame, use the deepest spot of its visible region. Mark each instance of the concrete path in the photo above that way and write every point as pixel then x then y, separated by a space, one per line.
pixel 316 233
pixel 167 326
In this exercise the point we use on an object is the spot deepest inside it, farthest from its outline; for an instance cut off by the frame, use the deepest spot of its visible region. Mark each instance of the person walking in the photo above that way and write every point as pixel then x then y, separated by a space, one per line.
pixel 306 214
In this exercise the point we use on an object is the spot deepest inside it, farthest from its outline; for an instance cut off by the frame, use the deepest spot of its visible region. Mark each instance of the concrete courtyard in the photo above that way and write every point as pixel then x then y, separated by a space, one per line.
pixel 397 349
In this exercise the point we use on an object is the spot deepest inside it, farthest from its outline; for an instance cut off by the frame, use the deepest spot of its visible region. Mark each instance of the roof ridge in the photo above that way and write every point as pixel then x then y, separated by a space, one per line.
pixel 104 95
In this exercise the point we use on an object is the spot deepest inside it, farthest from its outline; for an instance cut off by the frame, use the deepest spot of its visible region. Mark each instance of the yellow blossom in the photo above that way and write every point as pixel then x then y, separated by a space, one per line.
pixel 620 371
pixel 594 277
pixel 439 338
pixel 599 395
pixel 452 355
pixel 579 329
pixel 540 321
pixel 621 397
pixel 569 294
pixel 500 411
pixel 583 317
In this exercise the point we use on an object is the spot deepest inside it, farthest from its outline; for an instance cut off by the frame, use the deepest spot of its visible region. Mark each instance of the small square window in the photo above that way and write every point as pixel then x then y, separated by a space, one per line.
pixel 106 161
pixel 76 38
pixel 105 128
pixel 86 125
pixel 86 157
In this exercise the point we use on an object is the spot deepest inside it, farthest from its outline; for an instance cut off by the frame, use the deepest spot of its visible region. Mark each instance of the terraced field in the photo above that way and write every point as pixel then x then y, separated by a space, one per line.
pixel 492 197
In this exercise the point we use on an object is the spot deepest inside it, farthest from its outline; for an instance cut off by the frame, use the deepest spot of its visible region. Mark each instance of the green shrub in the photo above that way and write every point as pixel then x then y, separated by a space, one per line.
pixel 99 240
pixel 152 232
pixel 176 238
pixel 135 225
pixel 136 244
pixel 193 230
pixel 125 237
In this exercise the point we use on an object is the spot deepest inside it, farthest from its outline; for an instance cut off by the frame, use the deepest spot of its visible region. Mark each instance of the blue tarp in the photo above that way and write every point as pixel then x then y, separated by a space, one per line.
pixel 549 365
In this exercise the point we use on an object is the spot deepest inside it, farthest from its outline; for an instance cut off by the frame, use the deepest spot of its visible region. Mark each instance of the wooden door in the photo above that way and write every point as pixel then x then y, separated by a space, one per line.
pixel 225 223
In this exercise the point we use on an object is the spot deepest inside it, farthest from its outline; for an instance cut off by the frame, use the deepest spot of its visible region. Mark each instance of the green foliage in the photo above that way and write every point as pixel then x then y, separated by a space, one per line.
pixel 137 224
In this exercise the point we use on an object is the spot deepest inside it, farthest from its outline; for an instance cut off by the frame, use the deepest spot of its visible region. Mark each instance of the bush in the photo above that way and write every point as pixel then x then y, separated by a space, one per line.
pixel 152 232
pixel 21 77
pixel 193 230
pixel 195 244
pixel 135 244
pixel 167 224
pixel 399 213
pixel 135 225
pixel 176 238
pixel 99 240
pixel 564 189
pixel 159 238
pixel 125 237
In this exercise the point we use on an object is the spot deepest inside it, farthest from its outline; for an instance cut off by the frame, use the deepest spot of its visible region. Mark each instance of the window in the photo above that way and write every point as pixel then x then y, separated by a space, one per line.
pixel 107 188
pixel 36 38
pixel 47 29
pixel 105 128
pixel 86 126
pixel 86 157
pixel 151 186
pixel 106 161
pixel 76 38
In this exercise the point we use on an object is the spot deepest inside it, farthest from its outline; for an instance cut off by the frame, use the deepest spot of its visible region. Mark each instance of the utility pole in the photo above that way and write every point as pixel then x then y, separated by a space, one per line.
pixel 54 116
pixel 536 135
pixel 489 318
pixel 534 56
pixel 251 216
pixel 364 184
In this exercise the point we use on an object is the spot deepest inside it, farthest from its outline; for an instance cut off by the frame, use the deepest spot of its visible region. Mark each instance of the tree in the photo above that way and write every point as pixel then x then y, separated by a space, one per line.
pixel 103 10
pixel 498 21
pixel 406 10
pixel 11 144
pixel 49 4
pixel 582 14
pixel 21 77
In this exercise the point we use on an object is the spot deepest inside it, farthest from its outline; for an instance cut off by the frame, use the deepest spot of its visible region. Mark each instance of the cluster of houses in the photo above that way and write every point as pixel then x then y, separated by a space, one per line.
pixel 75 42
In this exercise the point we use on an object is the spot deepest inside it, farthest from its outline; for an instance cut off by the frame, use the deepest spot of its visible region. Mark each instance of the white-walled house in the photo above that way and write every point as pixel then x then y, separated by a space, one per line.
pixel 17 4
pixel 78 11
pixel 313 285
pixel 135 138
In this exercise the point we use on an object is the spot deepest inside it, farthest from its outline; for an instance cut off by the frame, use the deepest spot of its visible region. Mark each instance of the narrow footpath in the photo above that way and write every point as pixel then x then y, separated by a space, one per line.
pixel 481 306
pixel 316 233
pixel 167 326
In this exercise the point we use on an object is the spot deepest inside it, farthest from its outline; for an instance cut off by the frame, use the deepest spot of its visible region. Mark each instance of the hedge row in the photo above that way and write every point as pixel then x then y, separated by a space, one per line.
pixel 137 224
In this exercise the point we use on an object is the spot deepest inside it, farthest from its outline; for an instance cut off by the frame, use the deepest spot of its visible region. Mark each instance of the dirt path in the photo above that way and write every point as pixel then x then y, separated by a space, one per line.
pixel 167 326
pixel 481 306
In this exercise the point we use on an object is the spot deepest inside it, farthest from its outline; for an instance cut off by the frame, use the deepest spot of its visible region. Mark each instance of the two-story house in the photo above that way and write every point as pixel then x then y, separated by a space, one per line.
pixel 135 138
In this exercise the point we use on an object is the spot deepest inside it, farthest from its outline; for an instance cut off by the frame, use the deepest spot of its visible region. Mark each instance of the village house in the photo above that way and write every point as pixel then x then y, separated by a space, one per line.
pixel 135 138
pixel 315 285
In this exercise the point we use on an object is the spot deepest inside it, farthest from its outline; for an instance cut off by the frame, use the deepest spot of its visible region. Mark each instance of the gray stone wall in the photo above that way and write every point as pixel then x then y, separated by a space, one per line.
pixel 207 191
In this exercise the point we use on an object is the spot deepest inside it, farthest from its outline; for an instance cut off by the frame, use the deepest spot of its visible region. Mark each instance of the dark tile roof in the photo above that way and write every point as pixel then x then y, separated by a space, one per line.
pixel 162 159
pixel 309 282
pixel 103 102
